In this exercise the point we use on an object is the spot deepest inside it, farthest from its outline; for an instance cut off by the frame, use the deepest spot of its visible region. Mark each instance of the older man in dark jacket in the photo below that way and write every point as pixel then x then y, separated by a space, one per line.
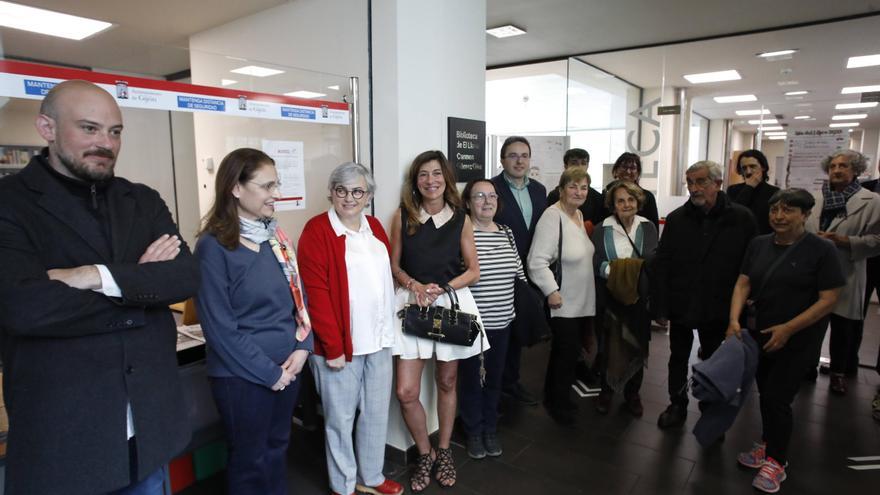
pixel 696 268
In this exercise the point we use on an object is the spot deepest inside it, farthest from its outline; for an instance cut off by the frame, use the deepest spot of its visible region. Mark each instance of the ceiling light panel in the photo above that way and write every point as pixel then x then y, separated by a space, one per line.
pixel 48 22
pixel 796 93
pixel 845 124
pixel 771 128
pixel 863 61
pixel 777 53
pixel 860 89
pixel 710 77
pixel 757 111
pixel 802 117
pixel 852 116
pixel 227 82
pixel 776 138
pixel 304 94
pixel 505 31
pixel 853 106
pixel 735 98
pixel 763 121
pixel 257 71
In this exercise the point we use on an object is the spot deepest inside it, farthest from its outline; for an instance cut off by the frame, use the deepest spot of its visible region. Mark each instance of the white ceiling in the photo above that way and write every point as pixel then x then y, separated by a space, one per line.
pixel 819 67
pixel 148 37
pixel 569 27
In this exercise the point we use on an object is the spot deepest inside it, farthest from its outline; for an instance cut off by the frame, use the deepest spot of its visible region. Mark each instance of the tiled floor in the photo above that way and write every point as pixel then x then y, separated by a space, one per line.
pixel 619 454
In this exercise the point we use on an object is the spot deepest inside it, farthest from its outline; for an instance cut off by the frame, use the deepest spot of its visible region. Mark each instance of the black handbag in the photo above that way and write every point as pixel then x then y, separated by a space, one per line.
pixel 446 325
pixel 530 325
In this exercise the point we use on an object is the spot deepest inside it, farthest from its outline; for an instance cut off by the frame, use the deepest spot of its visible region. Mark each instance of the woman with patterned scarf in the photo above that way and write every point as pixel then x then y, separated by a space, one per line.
pixel 252 309
pixel 849 216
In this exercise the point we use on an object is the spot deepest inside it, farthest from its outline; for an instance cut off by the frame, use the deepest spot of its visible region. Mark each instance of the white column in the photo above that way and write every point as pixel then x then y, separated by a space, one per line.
pixel 429 63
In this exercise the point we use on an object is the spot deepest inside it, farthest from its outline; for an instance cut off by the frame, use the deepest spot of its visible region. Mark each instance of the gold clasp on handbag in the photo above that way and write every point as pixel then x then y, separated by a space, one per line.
pixel 438 326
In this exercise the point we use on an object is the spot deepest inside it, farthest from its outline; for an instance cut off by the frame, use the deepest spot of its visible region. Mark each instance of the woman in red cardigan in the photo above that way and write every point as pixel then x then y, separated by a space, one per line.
pixel 346 270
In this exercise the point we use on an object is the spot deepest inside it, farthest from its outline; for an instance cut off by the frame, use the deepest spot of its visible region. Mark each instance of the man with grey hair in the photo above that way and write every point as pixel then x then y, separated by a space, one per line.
pixel 849 216
pixel 695 270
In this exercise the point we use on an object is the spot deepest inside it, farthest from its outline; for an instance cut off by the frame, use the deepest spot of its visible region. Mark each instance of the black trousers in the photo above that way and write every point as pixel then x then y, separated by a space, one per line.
pixel 510 377
pixel 478 405
pixel 681 340
pixel 778 378
pixel 568 333
pixel 846 338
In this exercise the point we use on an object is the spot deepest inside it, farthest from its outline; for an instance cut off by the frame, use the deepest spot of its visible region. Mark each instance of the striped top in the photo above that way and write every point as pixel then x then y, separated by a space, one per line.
pixel 499 264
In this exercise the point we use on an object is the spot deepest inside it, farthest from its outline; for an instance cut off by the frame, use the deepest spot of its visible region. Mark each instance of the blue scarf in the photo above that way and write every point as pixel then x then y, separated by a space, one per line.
pixel 257 231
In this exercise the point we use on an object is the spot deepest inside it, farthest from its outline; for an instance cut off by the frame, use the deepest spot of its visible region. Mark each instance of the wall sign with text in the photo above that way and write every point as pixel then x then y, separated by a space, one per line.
pixel 467 148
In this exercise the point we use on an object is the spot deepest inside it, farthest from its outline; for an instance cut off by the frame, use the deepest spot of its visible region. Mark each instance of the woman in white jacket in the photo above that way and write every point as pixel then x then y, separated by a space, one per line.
pixel 571 297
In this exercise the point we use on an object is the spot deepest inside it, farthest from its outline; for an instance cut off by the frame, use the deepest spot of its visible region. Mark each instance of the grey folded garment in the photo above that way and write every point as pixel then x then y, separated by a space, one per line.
pixel 722 383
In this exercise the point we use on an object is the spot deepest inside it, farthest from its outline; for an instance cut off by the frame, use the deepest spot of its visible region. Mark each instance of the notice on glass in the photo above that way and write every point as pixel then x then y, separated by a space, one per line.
pixel 290 165
pixel 806 150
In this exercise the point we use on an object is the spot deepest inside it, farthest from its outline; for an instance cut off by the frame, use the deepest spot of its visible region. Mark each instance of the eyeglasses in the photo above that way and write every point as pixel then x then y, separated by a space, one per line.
pixel 700 182
pixel 269 187
pixel 481 196
pixel 514 156
pixel 342 192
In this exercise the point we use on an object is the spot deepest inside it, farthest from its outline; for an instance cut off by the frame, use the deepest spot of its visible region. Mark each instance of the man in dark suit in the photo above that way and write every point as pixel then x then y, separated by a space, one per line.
pixel 89 263
pixel 593 208
pixel 524 201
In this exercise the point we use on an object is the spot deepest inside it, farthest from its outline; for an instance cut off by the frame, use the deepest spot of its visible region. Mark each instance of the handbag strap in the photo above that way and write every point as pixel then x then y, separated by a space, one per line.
pixel 557 271
pixel 633 244
pixel 453 297
pixel 774 266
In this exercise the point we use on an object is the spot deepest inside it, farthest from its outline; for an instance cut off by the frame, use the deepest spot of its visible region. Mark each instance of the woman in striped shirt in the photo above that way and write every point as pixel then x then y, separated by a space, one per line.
pixel 499 264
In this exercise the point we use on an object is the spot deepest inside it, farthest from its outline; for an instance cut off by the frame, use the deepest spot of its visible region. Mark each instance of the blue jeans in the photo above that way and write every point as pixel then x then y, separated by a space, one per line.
pixel 153 484
pixel 257 424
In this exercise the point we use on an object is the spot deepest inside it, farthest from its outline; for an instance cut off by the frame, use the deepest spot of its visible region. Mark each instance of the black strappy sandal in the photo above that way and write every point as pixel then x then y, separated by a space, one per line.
pixel 444 468
pixel 421 476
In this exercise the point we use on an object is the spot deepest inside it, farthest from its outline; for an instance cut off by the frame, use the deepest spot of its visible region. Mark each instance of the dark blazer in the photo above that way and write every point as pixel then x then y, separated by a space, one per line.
pixel 698 261
pixel 511 214
pixel 755 199
pixel 593 208
pixel 73 358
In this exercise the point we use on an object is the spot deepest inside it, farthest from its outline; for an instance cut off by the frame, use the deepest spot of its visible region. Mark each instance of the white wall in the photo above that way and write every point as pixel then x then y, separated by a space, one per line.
pixel 716 142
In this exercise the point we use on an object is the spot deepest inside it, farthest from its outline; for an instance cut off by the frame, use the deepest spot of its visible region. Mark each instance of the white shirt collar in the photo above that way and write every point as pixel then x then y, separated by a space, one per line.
pixel 610 221
pixel 440 217
pixel 340 229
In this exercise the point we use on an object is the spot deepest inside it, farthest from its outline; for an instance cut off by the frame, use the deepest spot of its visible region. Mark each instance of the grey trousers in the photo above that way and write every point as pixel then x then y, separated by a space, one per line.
pixel 363 384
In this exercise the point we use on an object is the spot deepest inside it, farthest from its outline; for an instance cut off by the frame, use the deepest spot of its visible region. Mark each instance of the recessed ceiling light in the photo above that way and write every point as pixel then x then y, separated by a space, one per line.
pixel 852 116
pixel 506 31
pixel 758 111
pixel 735 98
pixel 859 89
pixel 801 117
pixel 335 87
pixel 796 93
pixel 777 53
pixel 776 133
pixel 863 61
pixel 763 121
pixel 227 82
pixel 771 128
pixel 257 71
pixel 304 94
pixel 48 22
pixel 845 124
pixel 776 138
pixel 710 77
pixel 852 106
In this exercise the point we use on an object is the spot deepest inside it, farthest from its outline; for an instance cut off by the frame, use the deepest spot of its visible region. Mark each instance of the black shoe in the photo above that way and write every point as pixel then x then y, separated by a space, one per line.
pixel 674 415
pixel 492 444
pixel 475 447
pixel 603 402
pixel 522 395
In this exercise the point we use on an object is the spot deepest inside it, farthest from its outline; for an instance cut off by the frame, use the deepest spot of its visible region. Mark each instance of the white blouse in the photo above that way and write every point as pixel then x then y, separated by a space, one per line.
pixel 370 287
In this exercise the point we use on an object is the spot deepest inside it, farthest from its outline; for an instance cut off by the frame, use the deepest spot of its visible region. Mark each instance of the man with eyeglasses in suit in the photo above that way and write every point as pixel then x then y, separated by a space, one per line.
pixel 524 201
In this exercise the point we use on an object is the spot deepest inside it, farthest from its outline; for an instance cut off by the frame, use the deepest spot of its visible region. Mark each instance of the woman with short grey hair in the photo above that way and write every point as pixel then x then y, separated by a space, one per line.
pixel 346 269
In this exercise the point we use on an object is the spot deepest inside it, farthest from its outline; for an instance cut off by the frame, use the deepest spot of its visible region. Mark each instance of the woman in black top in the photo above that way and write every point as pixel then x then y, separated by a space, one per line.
pixel 792 279
pixel 432 246
pixel 628 167
pixel 754 192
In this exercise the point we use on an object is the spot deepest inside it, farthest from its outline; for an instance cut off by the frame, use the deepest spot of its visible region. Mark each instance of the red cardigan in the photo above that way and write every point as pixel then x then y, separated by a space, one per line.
pixel 321 257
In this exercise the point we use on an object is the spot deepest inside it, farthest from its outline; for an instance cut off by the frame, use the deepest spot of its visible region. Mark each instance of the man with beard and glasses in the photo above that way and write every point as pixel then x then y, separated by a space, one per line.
pixel 696 268
pixel 89 263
